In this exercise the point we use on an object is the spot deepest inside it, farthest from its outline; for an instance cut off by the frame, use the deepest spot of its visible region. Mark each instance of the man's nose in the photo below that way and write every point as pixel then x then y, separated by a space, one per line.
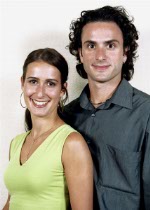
pixel 100 54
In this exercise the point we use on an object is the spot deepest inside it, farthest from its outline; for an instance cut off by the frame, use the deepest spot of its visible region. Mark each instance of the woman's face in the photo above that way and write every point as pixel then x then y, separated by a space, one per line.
pixel 42 89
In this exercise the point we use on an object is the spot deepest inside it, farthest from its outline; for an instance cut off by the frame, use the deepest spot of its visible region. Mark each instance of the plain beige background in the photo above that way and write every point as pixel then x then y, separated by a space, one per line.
pixel 27 25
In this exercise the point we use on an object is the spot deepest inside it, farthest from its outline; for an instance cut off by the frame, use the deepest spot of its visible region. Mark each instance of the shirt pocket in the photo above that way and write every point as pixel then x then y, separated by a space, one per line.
pixel 117 178
pixel 119 170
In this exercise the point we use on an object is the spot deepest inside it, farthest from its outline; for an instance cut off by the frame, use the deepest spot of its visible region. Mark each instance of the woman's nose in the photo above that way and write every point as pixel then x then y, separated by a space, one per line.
pixel 40 90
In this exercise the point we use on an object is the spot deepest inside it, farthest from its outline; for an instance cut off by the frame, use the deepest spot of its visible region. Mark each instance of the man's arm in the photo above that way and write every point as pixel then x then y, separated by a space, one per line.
pixel 146 170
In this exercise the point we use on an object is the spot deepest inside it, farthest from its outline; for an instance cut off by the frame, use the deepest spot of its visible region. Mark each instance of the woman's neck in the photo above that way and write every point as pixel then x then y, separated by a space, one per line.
pixel 41 125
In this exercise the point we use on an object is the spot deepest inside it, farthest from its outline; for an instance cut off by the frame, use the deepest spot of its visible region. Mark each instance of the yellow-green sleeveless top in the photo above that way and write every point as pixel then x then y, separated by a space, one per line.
pixel 40 183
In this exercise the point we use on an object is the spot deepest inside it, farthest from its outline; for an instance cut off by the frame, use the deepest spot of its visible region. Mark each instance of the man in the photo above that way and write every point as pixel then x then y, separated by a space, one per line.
pixel 113 116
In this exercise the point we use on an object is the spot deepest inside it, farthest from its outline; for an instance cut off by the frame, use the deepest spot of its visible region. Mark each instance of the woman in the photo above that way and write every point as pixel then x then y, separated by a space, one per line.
pixel 50 164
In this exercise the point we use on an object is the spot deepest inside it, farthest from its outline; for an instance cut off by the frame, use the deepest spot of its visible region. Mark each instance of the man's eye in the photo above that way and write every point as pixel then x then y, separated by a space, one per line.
pixel 111 46
pixel 91 45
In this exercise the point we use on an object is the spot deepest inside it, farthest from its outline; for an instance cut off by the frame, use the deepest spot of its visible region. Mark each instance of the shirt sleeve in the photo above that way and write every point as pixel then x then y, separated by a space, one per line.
pixel 146 169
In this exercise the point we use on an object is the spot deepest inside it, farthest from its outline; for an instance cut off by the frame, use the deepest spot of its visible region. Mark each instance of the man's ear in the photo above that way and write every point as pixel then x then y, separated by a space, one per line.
pixel 80 54
pixel 124 58
pixel 125 55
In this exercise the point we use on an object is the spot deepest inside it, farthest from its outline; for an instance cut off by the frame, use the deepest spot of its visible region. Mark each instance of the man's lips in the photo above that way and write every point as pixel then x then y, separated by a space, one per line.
pixel 101 67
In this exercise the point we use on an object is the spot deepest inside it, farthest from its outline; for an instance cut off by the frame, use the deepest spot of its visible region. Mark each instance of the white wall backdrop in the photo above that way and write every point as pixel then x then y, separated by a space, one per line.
pixel 26 25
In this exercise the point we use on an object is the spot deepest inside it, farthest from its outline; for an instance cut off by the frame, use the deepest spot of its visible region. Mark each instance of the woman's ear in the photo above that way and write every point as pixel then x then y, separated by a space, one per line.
pixel 65 85
pixel 22 83
pixel 63 90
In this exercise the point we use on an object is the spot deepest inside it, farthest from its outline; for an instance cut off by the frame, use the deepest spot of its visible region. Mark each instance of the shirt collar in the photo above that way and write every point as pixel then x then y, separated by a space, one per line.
pixel 84 98
pixel 122 96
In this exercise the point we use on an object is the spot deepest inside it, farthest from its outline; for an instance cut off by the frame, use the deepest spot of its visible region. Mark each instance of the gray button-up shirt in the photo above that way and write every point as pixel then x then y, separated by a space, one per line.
pixel 118 136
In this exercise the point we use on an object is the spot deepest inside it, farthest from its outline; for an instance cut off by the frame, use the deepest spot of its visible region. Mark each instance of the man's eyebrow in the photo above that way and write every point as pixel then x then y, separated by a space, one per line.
pixel 107 41
pixel 110 41
pixel 89 41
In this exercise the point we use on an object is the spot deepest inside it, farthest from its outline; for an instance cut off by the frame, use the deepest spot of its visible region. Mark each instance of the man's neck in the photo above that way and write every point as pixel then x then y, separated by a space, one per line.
pixel 100 92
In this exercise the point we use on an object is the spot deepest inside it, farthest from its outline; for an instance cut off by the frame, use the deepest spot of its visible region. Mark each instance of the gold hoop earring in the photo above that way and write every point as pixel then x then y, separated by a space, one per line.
pixel 21 102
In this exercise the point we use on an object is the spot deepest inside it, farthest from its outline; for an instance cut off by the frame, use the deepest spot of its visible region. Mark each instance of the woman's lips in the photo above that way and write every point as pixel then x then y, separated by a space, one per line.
pixel 39 104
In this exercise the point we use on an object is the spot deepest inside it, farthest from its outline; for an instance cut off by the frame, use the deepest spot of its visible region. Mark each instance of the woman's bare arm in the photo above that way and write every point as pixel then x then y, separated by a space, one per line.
pixel 6 207
pixel 78 168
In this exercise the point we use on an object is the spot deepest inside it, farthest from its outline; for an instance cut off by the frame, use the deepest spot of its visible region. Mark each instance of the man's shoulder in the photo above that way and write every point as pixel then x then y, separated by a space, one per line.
pixel 73 105
pixel 70 111
pixel 143 96
pixel 141 101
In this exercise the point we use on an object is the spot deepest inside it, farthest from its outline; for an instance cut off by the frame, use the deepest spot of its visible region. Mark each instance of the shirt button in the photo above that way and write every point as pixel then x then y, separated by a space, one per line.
pixel 93 115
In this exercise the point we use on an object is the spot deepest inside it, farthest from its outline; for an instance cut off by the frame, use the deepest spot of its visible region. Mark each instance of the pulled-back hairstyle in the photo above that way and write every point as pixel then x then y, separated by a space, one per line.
pixel 54 58
pixel 117 15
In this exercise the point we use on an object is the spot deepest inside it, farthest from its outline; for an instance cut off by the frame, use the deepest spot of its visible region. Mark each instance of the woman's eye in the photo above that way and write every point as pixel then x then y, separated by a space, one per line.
pixel 33 82
pixel 51 83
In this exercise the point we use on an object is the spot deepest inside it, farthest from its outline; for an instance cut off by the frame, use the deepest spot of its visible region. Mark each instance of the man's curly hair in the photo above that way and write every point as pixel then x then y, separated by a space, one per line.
pixel 117 15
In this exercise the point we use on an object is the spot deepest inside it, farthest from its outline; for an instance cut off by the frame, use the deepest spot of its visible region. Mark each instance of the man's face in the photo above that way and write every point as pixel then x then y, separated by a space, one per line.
pixel 102 52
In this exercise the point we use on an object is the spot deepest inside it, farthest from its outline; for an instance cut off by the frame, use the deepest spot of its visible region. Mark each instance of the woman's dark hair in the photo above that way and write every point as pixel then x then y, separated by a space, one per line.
pixel 117 15
pixel 54 58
